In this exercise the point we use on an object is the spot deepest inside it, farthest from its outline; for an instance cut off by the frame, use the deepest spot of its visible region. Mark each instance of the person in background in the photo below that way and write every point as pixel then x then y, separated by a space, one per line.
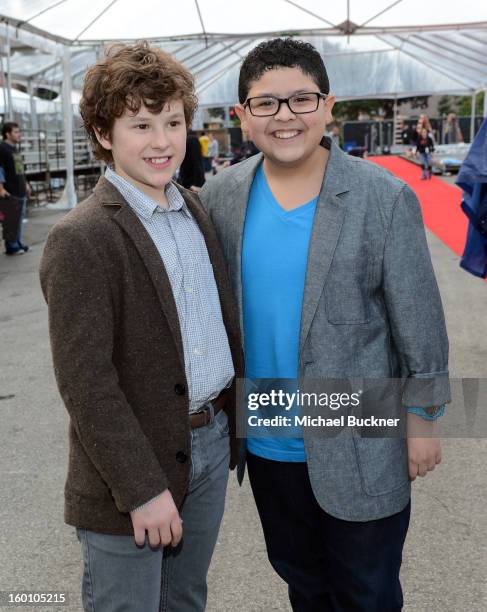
pixel 425 148
pixel 13 182
pixel 204 144
pixel 334 135
pixel 425 123
pixel 245 150
pixel 416 133
pixel 192 172
pixel 213 150
pixel 453 133
pixel 249 149
pixel 406 133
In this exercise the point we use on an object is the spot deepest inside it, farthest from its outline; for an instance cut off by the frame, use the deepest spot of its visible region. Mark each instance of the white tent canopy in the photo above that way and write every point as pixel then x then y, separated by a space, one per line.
pixel 366 67
pixel 21 103
pixel 44 70
pixel 378 48
pixel 103 20
pixel 369 67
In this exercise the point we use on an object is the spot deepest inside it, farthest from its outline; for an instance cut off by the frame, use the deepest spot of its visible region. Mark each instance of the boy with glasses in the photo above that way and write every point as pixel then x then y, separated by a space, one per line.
pixel 329 263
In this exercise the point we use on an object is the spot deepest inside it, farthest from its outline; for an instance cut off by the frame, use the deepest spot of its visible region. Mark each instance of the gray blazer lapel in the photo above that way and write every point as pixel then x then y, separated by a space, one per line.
pixel 238 198
pixel 327 225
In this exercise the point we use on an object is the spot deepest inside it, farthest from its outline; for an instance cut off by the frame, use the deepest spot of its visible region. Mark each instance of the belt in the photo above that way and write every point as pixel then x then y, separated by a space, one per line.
pixel 204 416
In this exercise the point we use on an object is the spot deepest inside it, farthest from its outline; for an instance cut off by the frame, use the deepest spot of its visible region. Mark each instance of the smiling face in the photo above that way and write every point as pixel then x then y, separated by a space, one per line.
pixel 286 138
pixel 148 148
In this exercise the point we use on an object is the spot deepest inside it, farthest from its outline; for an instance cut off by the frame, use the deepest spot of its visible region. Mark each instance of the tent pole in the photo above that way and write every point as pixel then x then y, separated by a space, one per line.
pixel 394 123
pixel 472 117
pixel 34 124
pixel 4 86
pixel 485 102
pixel 68 198
pixel 8 79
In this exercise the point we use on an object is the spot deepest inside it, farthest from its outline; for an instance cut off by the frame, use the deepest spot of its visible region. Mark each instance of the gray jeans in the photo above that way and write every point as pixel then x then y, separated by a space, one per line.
pixel 120 577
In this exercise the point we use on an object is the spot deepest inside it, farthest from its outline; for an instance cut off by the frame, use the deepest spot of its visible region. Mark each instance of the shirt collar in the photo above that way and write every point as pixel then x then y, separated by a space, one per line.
pixel 142 203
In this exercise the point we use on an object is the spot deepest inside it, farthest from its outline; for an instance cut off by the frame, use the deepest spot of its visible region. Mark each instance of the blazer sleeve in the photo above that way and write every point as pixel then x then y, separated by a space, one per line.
pixel 414 306
pixel 81 326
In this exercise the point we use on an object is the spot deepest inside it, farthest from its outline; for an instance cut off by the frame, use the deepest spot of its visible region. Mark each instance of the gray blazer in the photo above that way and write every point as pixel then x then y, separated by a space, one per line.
pixel 371 308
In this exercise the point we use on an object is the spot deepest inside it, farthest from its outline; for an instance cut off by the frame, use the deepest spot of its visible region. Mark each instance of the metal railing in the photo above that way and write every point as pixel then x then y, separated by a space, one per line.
pixel 44 157
pixel 378 136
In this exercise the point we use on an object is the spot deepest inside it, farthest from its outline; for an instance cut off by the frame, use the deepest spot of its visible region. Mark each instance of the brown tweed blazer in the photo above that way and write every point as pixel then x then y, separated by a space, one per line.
pixel 118 359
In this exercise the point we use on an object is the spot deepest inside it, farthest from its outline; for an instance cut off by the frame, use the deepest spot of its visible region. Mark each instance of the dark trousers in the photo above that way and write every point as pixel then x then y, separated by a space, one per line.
pixel 11 209
pixel 329 564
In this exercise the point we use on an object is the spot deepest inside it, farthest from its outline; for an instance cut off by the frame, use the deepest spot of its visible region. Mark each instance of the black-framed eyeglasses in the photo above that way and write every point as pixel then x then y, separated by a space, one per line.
pixel 299 104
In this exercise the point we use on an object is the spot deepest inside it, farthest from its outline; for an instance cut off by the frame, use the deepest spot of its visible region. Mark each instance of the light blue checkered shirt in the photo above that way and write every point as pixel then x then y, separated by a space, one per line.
pixel 181 245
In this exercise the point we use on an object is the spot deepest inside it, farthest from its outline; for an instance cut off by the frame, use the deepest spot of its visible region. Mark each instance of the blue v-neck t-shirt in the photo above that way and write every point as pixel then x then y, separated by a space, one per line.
pixel 274 261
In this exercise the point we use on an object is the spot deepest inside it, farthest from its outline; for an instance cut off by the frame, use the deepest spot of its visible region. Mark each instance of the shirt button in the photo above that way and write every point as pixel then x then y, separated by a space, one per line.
pixel 189 289
pixel 181 457
pixel 197 351
pixel 179 389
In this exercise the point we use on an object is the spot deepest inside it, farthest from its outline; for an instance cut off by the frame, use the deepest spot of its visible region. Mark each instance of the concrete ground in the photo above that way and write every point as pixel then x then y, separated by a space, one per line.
pixel 445 558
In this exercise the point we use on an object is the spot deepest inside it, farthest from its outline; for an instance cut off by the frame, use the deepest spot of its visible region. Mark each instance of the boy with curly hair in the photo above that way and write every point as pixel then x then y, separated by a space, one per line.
pixel 145 347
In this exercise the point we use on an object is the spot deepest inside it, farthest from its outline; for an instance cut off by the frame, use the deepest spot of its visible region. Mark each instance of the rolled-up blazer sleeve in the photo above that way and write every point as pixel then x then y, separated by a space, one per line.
pixel 414 306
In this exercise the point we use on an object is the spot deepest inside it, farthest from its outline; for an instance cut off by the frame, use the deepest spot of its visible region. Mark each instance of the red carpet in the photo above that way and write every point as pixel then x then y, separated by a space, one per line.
pixel 439 201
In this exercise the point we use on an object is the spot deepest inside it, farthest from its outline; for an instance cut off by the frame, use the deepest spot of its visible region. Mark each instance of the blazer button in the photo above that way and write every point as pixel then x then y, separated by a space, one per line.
pixel 179 389
pixel 181 457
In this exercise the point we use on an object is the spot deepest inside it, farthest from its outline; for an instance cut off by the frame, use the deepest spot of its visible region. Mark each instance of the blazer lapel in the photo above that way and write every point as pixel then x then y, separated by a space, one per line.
pixel 327 225
pixel 129 222
pixel 238 196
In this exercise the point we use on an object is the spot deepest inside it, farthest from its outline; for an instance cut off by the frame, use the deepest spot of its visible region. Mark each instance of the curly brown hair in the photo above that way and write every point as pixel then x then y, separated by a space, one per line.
pixel 128 77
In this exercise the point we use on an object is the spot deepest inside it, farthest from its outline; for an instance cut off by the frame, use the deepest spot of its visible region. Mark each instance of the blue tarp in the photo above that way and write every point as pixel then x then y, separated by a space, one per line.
pixel 472 178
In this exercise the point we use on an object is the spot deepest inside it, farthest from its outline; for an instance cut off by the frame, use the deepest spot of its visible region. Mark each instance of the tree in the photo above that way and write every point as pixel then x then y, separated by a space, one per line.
pixel 349 110
pixel 218 113
pixel 465 105
pixel 420 102
pixel 447 104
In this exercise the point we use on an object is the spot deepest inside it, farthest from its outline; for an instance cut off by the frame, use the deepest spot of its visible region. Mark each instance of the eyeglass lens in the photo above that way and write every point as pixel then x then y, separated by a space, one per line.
pixel 300 103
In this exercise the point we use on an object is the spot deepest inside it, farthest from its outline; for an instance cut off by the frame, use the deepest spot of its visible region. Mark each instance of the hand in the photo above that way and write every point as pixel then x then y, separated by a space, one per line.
pixel 3 192
pixel 28 191
pixel 424 453
pixel 160 519
pixel 195 189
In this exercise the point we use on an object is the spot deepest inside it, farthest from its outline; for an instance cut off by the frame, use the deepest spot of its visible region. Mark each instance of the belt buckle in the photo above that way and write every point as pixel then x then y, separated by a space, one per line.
pixel 209 410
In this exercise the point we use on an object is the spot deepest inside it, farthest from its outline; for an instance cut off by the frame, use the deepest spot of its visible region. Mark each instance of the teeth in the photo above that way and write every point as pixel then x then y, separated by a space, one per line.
pixel 286 134
pixel 158 160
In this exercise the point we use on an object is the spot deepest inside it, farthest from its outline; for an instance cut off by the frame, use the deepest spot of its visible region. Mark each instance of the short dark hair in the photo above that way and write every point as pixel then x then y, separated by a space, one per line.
pixel 8 127
pixel 282 53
